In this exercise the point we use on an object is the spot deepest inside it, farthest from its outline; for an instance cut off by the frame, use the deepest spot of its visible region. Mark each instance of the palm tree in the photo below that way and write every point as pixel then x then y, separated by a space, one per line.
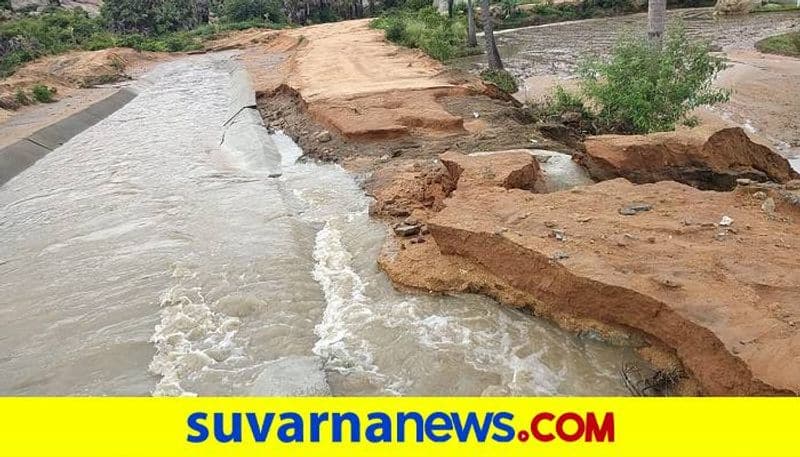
pixel 656 17
pixel 472 39
pixel 488 36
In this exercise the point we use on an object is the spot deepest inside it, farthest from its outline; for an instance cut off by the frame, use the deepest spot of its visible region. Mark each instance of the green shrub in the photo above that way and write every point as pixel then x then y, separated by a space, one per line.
pixel 509 7
pixel 22 98
pixel 787 44
pixel 100 40
pixel 57 31
pixel 247 10
pixel 504 80
pixel 43 94
pixel 644 88
pixel 150 17
pixel 440 37
pixel 563 101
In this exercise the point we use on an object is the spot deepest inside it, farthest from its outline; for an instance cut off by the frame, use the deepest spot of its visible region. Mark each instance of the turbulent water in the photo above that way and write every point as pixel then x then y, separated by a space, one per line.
pixel 139 259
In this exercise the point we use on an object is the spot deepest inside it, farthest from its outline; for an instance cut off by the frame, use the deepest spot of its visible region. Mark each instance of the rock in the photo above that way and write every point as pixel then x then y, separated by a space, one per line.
pixel 683 293
pixel 323 136
pixel 632 209
pixel 760 195
pixel 571 117
pixel 398 189
pixel 793 185
pixel 514 169
pixel 735 6
pixel 768 206
pixel 725 221
pixel 406 230
pixel 704 158
pixel 28 5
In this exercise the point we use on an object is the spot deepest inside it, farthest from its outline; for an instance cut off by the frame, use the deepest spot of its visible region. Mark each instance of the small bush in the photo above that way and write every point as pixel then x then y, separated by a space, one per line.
pixel 504 80
pixel 248 10
pixel 43 94
pixel 440 37
pixel 22 98
pixel 564 101
pixel 100 40
pixel 787 44
pixel 565 107
pixel 643 88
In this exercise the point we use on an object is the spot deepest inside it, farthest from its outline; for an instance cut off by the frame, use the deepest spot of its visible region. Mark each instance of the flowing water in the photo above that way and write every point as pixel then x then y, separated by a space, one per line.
pixel 139 259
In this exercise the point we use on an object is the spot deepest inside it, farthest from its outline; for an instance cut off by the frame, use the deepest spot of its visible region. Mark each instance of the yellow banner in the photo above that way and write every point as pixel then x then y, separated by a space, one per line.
pixel 409 427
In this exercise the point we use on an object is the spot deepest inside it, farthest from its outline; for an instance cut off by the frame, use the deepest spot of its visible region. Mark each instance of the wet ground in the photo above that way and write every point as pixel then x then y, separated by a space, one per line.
pixel 139 258
pixel 556 49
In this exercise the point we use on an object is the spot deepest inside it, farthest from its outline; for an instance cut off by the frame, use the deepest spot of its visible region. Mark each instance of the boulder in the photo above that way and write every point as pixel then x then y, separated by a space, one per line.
pixel 30 5
pixel 705 158
pixel 722 298
pixel 513 169
pixel 736 6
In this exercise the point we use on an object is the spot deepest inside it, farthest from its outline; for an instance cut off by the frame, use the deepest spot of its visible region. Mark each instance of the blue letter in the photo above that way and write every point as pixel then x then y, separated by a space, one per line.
pixel 295 425
pixel 260 432
pixel 402 418
pixel 194 424
pixel 384 425
pixel 316 424
pixel 236 429
pixel 355 427
pixel 431 427
pixel 498 424
pixel 464 430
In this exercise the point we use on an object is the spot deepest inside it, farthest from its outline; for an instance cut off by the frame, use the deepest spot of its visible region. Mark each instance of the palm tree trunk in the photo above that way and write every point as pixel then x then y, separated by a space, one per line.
pixel 656 17
pixel 472 39
pixel 492 54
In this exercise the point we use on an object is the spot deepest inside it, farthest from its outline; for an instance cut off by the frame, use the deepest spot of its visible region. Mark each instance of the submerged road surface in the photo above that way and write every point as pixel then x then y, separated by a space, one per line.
pixel 142 258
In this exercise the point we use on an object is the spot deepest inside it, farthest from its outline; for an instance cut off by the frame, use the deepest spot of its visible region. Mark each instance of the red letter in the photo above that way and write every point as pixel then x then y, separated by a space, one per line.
pixel 535 427
pixel 560 427
pixel 603 432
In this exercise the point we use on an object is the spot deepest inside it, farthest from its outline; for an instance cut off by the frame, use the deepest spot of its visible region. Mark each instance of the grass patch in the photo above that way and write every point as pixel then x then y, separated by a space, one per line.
pixel 43 94
pixel 787 44
pixel 437 35
pixel 504 80
pixel 61 30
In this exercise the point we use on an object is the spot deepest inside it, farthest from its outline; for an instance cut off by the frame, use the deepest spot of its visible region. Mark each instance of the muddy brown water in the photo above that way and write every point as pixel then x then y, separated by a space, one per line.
pixel 139 259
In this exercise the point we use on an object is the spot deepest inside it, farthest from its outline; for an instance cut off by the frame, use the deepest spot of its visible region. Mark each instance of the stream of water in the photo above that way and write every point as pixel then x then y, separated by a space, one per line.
pixel 138 259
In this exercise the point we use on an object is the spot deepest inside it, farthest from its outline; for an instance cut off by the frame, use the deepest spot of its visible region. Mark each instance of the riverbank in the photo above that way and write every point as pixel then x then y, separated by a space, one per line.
pixel 389 115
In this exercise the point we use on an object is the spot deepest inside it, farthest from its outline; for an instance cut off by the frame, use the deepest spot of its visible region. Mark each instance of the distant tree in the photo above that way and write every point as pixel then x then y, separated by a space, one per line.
pixel 656 19
pixel 153 16
pixel 472 39
pixel 492 54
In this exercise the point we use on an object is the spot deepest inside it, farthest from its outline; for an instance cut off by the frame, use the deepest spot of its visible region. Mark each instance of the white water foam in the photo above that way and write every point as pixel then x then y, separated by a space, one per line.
pixel 190 338
pixel 346 304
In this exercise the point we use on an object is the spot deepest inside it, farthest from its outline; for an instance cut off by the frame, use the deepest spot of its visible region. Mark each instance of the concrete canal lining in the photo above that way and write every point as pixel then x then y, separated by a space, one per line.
pixel 18 156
